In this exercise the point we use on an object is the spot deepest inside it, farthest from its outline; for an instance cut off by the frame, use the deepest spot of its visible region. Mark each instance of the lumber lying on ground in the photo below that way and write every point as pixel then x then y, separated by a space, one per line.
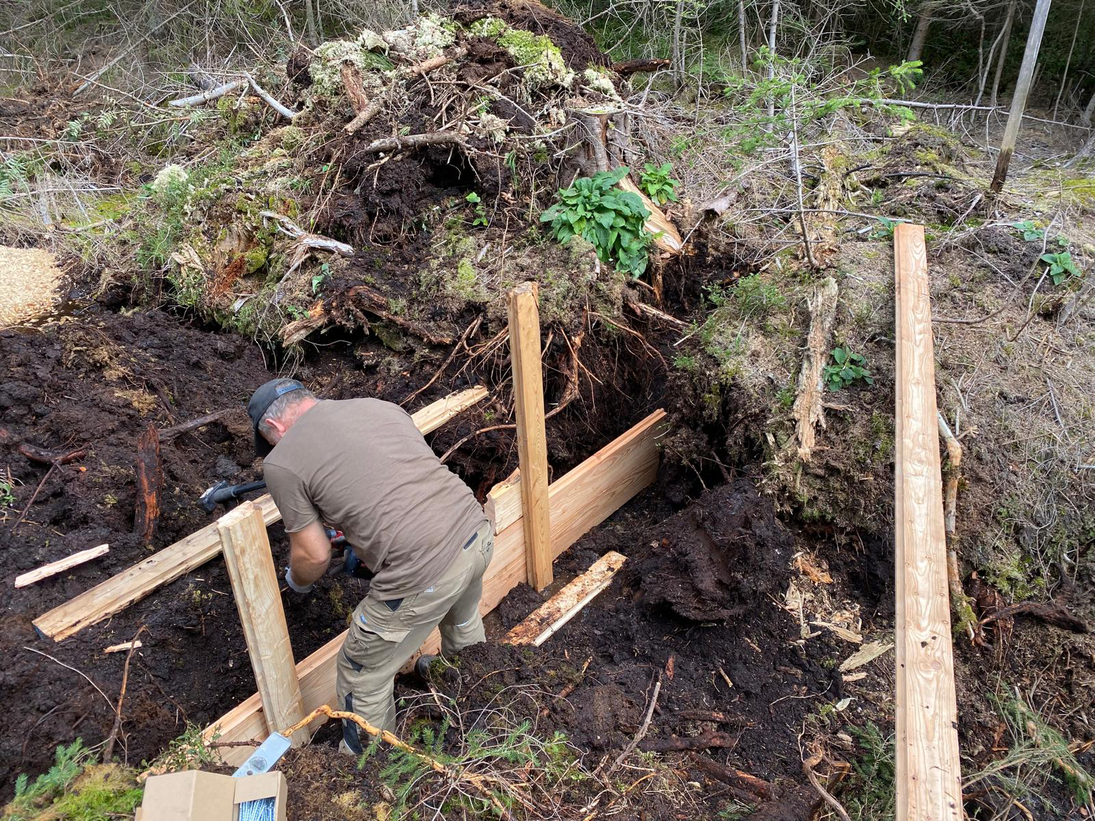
pixel 61 565
pixel 550 617
pixel 928 768
pixel 579 501
pixel 178 559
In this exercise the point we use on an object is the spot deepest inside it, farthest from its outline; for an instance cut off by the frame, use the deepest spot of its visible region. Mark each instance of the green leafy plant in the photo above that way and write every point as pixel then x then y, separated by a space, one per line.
pixel 611 219
pixel 320 278
pixel 1061 266
pixel 480 210
pixel 1029 231
pixel 848 368
pixel 7 495
pixel 657 184
pixel 884 229
pixel 868 793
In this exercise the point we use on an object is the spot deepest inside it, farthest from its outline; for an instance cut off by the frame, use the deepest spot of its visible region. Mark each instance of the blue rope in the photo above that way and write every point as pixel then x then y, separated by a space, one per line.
pixel 260 810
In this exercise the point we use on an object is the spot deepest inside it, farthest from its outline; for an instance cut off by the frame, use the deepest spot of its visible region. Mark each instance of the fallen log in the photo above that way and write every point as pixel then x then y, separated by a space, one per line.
pixel 61 565
pixel 149 473
pixel 808 410
pixel 549 618
pixel 178 559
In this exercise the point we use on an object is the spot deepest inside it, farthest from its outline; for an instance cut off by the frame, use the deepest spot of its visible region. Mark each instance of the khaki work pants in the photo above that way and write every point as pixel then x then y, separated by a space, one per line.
pixel 381 639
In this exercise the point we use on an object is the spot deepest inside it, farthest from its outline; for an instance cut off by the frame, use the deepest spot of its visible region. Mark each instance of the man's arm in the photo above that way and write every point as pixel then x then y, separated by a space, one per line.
pixel 309 554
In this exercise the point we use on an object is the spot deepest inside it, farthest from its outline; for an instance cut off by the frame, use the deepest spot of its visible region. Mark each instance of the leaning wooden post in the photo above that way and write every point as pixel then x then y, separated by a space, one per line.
pixel 1019 96
pixel 255 587
pixel 528 391
pixel 928 768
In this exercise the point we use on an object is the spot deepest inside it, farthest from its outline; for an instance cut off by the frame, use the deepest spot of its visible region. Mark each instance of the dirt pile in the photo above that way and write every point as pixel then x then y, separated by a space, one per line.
pixel 717 559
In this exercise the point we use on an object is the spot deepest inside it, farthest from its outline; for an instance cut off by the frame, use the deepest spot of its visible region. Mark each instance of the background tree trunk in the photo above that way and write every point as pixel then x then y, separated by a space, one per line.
pixel 1003 54
pixel 1085 118
pixel 920 35
pixel 741 37
pixel 988 63
pixel 310 22
pixel 678 57
pixel 1068 62
pixel 1019 98
pixel 772 24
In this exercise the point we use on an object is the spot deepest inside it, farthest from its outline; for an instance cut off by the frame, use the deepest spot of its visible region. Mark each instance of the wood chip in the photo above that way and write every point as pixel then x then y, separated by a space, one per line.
pixel 125 646
pixel 810 567
pixel 842 632
pixel 865 654
pixel 848 679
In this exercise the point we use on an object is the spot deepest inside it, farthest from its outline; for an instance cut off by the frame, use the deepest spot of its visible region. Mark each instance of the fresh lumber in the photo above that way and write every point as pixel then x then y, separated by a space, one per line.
pixel 550 617
pixel 178 559
pixel 808 409
pixel 928 775
pixel 580 500
pixel 61 565
pixel 254 579
pixel 528 397
pixel 149 473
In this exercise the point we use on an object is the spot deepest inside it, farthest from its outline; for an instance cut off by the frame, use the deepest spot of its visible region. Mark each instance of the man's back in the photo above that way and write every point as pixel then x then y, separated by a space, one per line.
pixel 362 466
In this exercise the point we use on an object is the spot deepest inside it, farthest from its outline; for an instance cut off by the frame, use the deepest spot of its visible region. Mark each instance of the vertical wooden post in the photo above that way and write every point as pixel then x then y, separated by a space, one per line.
pixel 928 767
pixel 255 587
pixel 528 391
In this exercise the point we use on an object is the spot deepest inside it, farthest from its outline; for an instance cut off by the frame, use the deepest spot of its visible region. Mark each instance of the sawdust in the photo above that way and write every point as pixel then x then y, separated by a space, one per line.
pixel 29 283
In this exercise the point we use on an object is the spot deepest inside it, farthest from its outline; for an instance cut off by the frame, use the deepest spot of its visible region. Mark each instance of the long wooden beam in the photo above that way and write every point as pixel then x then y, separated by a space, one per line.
pixel 528 399
pixel 178 559
pixel 928 766
pixel 255 589
pixel 579 501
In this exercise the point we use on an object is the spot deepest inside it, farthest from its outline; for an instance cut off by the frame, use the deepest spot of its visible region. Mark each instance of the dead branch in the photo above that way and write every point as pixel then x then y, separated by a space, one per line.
pixel 808 767
pixel 49 457
pixel 364 115
pixel 960 602
pixel 186 427
pixel 566 691
pixel 702 741
pixel 207 96
pixel 63 459
pixel 571 392
pixel 108 750
pixel 351 81
pixel 642 308
pixel 741 783
pixel 413 141
pixel 639 736
pixel 429 65
pixel 477 782
pixel 460 343
pixel 1049 612
pixel 149 473
pixel 357 298
pixel 808 409
pixel 285 112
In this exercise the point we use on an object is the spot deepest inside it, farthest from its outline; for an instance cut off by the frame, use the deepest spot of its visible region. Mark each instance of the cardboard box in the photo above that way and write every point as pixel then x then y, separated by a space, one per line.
pixel 199 796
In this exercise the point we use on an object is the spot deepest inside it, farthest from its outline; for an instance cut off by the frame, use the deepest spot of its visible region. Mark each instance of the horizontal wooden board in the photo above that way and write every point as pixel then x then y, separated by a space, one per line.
pixel 580 501
pixel 178 559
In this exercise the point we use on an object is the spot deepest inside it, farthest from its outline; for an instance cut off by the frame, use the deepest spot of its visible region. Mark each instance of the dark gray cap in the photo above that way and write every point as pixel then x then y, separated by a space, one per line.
pixel 260 402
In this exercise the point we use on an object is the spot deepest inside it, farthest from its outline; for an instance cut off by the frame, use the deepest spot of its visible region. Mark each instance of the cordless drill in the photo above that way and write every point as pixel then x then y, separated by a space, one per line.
pixel 351 564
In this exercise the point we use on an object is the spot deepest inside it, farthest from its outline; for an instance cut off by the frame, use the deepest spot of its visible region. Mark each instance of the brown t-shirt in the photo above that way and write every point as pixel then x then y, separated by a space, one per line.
pixel 361 466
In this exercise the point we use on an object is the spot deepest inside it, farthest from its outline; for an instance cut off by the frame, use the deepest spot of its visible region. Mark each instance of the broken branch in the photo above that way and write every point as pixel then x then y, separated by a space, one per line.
pixel 642 730
pixel 285 112
pixel 413 141
pixel 193 424
pixel 207 96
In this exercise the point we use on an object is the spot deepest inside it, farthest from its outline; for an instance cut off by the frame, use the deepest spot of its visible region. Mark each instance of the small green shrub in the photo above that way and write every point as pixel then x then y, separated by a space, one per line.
pixel 657 184
pixel 848 368
pixel 1029 231
pixel 868 795
pixel 610 219
pixel 1061 266
pixel 756 297
pixel 480 210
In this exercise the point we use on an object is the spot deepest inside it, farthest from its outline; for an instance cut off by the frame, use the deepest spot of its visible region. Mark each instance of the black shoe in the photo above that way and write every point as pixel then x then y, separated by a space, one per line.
pixel 422 666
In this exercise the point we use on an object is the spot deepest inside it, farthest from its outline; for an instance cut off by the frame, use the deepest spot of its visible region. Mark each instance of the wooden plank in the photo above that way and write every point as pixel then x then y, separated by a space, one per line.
pixel 581 500
pixel 550 617
pixel 251 570
pixel 928 765
pixel 61 565
pixel 528 395
pixel 178 559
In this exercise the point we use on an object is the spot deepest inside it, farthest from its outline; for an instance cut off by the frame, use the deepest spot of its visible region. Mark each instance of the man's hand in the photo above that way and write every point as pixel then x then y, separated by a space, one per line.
pixel 309 556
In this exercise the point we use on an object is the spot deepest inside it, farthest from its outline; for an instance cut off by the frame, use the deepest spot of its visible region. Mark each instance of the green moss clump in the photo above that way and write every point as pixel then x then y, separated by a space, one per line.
pixel 542 59
pixel 326 67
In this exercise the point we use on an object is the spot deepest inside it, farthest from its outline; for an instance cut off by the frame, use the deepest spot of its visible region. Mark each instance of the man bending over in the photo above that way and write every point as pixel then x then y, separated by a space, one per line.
pixel 362 467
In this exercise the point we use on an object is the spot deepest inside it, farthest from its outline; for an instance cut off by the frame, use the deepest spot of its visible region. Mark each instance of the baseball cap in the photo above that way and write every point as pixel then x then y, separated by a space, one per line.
pixel 261 400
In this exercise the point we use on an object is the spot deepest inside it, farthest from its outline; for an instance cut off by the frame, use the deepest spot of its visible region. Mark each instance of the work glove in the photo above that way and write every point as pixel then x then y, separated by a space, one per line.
pixel 296 588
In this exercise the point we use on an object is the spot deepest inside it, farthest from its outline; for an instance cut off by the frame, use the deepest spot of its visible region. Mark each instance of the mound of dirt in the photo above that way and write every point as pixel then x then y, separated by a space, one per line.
pixel 718 558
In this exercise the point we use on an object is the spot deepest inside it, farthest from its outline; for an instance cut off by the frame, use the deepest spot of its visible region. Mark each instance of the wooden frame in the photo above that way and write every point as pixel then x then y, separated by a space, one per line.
pixel 528 395
pixel 579 501
pixel 254 580
pixel 928 765
pixel 132 585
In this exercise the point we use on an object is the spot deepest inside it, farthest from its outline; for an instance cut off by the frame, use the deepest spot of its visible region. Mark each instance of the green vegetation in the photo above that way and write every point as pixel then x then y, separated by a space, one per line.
pixel 480 210
pixel 75 788
pixel 1061 267
pixel 848 368
pixel 1029 231
pixel 757 297
pixel 868 794
pixel 657 184
pixel 541 59
pixel 7 494
pixel 611 219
